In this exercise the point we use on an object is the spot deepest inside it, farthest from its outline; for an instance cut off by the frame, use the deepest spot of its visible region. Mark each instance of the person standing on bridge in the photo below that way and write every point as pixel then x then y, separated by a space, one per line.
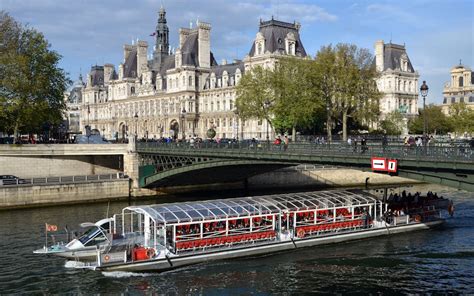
pixel 286 141
pixel 384 142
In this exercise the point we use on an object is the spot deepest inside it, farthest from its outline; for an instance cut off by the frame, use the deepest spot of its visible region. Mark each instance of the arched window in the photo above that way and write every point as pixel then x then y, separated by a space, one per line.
pixel 461 81
pixel 218 106
pixel 190 81
pixel 231 104
pixel 404 86
pixel 184 81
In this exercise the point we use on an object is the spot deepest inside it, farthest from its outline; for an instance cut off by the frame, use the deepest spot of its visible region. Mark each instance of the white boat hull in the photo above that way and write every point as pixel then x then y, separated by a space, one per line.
pixel 260 249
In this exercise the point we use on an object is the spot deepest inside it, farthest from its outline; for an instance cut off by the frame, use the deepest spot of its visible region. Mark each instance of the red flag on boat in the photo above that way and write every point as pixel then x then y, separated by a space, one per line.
pixel 50 227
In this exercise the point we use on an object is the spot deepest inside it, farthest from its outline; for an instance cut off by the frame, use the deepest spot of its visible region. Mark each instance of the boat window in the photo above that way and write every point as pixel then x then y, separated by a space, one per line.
pixel 92 237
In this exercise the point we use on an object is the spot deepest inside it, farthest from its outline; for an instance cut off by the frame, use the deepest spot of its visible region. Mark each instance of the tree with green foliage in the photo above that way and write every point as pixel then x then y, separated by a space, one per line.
pixel 296 98
pixel 323 76
pixel 393 123
pixel 356 95
pixel 461 118
pixel 31 83
pixel 436 121
pixel 255 96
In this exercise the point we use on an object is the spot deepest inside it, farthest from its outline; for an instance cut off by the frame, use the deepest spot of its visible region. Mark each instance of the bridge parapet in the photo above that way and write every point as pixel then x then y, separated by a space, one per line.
pixel 62 149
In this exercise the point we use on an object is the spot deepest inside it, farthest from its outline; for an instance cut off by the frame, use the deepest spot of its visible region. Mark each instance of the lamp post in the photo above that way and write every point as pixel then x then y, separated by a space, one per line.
pixel 266 106
pixel 328 123
pixel 424 92
pixel 236 112
pixel 183 116
pixel 136 125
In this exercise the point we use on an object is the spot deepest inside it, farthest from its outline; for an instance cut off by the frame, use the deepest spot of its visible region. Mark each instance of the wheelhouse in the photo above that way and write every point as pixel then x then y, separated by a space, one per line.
pixel 204 224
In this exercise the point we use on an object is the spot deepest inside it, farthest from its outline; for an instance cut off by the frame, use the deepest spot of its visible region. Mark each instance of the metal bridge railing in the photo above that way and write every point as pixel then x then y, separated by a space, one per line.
pixel 457 153
pixel 62 180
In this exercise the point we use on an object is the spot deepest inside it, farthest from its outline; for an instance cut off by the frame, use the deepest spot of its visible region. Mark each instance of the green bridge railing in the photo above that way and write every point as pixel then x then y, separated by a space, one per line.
pixel 448 153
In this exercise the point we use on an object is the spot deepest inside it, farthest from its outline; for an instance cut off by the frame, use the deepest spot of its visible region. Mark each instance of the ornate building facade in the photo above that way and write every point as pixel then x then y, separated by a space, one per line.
pixel 183 93
pixel 398 79
pixel 460 89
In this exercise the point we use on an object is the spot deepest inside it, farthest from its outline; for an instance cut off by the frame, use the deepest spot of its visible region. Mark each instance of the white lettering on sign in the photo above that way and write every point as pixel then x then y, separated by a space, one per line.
pixel 379 164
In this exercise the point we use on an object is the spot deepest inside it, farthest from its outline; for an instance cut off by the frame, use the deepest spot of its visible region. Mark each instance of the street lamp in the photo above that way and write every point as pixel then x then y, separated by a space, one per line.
pixel 183 116
pixel 267 105
pixel 136 125
pixel 236 112
pixel 424 92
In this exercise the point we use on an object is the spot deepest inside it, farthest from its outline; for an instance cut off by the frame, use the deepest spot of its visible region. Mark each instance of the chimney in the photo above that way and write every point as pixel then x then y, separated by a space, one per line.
pixel 379 53
pixel 127 49
pixel 178 58
pixel 204 44
pixel 108 71
pixel 183 34
pixel 120 75
pixel 142 60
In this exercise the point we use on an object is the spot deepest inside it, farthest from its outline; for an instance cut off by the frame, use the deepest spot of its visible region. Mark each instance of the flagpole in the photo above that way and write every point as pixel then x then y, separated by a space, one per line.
pixel 46 235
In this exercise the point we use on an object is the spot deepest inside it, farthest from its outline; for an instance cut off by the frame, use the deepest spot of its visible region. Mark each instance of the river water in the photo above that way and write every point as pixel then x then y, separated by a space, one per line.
pixel 433 261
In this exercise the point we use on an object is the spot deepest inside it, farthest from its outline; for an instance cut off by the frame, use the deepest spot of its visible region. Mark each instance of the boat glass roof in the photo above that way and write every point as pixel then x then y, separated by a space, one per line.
pixel 254 205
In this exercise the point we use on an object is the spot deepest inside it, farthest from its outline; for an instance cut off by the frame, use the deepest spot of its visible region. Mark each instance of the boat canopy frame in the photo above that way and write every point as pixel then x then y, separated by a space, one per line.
pixel 209 210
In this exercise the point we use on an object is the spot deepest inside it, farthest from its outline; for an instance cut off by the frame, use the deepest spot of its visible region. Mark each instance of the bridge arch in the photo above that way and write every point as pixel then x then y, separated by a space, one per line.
pixel 216 171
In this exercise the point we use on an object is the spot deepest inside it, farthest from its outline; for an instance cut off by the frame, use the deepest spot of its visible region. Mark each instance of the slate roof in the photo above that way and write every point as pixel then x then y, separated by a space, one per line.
pixel 130 65
pixel 392 55
pixel 97 75
pixel 275 33
pixel 190 51
pixel 218 70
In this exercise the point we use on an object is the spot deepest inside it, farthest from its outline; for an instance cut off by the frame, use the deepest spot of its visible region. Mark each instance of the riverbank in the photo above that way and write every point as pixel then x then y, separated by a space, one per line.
pixel 288 179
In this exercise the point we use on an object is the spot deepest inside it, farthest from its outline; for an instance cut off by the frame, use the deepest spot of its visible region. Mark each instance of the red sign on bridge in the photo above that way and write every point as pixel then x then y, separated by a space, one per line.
pixel 382 164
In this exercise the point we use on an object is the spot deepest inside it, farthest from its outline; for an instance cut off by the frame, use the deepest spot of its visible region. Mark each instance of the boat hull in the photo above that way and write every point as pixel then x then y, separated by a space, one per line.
pixel 86 254
pixel 260 249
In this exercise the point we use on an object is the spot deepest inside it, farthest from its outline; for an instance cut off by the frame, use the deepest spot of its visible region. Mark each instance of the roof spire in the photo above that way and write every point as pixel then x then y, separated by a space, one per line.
pixel 460 62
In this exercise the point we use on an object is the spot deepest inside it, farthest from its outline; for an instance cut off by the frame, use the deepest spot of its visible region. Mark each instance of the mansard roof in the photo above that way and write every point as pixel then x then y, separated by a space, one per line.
pixel 97 75
pixel 190 51
pixel 218 70
pixel 392 56
pixel 168 63
pixel 275 32
pixel 130 65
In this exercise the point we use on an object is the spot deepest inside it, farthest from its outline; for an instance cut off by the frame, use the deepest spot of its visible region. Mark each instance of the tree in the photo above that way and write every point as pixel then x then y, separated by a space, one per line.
pixel 255 97
pixel 436 121
pixel 296 100
pixel 31 83
pixel 356 95
pixel 462 118
pixel 323 77
pixel 393 123
pixel 345 77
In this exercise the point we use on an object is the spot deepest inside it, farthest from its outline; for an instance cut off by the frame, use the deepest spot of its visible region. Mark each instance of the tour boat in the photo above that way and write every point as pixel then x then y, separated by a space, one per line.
pixel 166 236
pixel 85 247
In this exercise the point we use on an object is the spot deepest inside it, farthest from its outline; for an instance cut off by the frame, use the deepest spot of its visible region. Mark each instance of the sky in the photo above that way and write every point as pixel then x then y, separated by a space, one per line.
pixel 437 33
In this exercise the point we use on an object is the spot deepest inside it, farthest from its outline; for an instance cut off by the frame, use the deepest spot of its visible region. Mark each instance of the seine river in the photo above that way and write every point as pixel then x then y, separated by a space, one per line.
pixel 434 261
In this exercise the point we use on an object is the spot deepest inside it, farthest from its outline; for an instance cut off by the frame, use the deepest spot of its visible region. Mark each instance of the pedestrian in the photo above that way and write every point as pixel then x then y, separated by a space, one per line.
pixel 286 142
pixel 349 141
pixel 355 145
pixel 363 143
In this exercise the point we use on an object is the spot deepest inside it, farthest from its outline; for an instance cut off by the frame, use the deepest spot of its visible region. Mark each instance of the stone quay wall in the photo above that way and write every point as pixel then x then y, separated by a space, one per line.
pixel 42 195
